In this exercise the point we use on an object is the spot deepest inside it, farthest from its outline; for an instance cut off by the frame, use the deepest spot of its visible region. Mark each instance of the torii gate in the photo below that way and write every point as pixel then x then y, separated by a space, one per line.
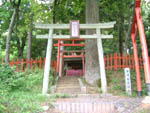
pixel 98 27
pixel 138 25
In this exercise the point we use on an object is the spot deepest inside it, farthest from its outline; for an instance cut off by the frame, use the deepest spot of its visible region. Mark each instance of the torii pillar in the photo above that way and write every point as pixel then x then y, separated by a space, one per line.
pixel 138 25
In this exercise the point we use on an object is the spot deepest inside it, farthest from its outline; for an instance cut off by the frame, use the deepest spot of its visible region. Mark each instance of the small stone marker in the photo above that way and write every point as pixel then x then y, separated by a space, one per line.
pixel 128 81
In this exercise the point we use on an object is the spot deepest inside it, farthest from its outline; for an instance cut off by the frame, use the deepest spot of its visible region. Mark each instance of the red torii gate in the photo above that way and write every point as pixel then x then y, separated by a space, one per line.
pixel 59 44
pixel 138 25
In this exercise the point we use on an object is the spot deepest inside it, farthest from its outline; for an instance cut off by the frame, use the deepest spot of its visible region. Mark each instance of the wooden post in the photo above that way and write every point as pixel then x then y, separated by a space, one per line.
pixel 101 62
pixel 47 63
pixel 60 58
pixel 40 63
pixel 111 62
pixel 31 63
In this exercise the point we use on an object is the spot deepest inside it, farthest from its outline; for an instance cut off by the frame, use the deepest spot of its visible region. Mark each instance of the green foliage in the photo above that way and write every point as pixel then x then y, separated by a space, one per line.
pixel 116 82
pixel 20 92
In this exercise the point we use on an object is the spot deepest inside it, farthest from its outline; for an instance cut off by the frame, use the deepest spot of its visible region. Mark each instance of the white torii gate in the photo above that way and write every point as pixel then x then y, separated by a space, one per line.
pixel 97 36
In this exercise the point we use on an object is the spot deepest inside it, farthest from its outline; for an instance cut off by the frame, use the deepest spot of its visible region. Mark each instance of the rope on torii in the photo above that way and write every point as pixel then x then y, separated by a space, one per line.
pixel 98 27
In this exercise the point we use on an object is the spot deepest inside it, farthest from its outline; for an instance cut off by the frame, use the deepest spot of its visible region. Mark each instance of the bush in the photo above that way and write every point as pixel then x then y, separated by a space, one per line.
pixel 20 92
pixel 9 79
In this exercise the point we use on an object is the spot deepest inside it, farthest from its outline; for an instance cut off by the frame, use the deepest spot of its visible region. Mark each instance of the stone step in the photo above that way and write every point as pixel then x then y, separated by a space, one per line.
pixel 67 84
pixel 67 80
pixel 68 87
pixel 68 92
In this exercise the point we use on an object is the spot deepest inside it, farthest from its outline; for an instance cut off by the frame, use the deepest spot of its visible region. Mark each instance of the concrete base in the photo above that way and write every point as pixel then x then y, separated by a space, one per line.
pixel 148 89
pixel 139 93
pixel 146 100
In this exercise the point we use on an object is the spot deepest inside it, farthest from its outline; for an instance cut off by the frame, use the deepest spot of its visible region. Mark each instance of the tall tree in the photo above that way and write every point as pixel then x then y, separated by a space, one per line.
pixel 15 5
pixel 30 39
pixel 92 74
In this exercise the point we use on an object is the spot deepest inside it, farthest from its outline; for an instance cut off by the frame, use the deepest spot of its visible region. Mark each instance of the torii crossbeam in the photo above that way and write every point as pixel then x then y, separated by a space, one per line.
pixel 98 27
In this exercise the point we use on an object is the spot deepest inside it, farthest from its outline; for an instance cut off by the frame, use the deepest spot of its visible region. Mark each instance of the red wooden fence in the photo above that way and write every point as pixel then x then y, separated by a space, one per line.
pixel 112 62
pixel 117 61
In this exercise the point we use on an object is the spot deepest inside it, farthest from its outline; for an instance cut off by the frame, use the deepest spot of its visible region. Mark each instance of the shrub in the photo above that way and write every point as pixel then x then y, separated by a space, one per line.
pixel 20 92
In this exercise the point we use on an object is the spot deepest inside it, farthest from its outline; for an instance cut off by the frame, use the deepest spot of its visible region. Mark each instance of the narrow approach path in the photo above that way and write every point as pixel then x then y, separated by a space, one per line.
pixel 97 104
pixel 90 103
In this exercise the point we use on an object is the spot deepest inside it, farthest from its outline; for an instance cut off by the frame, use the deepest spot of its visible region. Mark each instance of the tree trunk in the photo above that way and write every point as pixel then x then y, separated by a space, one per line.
pixel 120 31
pixel 20 45
pixel 127 31
pixel 30 40
pixel 92 73
pixel 11 25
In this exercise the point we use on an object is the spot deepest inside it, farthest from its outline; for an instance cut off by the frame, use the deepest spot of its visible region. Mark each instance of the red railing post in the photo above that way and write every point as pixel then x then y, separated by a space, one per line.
pixel 35 62
pixel 123 61
pixel 31 63
pixel 40 63
pixel 133 64
pixel 116 62
pixel 126 60
pixel 44 62
pixel 111 62
pixel 12 63
pixel 17 65
pixel 120 64
pixel 107 62
pixel 130 62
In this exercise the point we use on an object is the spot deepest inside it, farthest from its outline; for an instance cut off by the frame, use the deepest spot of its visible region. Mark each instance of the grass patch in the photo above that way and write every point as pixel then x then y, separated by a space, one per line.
pixel 116 83
pixel 20 92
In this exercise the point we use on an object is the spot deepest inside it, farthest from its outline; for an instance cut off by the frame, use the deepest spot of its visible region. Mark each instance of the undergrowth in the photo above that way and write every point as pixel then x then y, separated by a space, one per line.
pixel 20 92
pixel 116 82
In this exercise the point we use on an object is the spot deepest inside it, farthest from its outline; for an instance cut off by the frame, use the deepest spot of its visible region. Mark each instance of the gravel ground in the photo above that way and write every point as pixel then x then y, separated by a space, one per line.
pixel 121 104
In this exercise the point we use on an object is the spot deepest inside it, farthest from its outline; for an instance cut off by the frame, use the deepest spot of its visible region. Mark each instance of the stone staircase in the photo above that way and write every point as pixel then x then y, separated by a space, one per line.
pixel 68 85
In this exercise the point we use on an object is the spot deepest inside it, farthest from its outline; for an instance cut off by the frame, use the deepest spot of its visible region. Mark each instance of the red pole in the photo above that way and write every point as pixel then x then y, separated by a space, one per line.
pixel 137 67
pixel 144 49
pixel 58 56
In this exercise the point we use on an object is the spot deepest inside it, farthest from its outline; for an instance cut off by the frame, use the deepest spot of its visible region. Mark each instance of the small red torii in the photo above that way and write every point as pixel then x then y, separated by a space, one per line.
pixel 59 44
pixel 138 25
